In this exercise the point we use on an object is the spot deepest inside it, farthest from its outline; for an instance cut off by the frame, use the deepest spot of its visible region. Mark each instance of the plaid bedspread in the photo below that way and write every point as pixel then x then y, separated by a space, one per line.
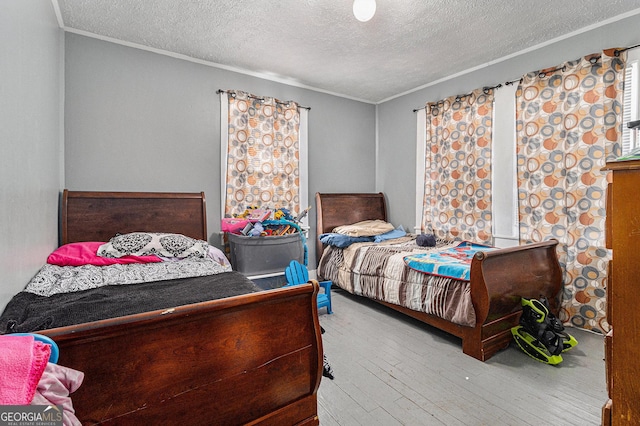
pixel 378 271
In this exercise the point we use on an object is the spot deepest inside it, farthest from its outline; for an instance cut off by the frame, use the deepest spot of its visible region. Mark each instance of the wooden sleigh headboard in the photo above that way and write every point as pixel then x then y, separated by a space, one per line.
pixel 344 209
pixel 98 216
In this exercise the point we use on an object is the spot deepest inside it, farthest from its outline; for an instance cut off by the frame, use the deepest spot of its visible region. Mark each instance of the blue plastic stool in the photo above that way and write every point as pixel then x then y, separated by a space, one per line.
pixel 299 274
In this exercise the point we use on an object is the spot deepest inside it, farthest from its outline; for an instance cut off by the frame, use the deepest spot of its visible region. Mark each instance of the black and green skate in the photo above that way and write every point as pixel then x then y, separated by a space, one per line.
pixel 540 334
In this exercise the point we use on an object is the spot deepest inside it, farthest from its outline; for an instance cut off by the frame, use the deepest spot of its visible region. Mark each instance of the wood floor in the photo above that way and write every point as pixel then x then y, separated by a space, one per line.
pixel 393 370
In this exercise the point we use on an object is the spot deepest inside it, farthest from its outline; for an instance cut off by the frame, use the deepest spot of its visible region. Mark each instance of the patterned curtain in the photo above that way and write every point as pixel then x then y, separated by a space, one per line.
pixel 457 199
pixel 263 154
pixel 568 125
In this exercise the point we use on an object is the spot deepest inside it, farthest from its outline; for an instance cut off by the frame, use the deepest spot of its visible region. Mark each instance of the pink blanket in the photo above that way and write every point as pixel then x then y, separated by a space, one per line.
pixel 55 387
pixel 22 362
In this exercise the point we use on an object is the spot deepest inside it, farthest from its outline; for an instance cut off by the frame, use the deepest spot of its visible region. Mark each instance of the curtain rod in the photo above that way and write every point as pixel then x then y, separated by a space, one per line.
pixel 593 60
pixel 458 97
pixel 232 92
pixel 544 73
pixel 616 52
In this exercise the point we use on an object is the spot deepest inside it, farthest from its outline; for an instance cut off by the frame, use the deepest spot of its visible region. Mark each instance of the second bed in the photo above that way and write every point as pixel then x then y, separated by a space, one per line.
pixel 480 310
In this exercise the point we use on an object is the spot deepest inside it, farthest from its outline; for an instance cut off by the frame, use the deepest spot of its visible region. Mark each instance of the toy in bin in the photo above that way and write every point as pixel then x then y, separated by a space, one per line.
pixel 284 214
pixel 257 215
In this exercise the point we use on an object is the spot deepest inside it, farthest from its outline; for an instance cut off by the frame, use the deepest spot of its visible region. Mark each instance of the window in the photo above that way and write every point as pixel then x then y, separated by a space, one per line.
pixel 630 137
pixel 264 154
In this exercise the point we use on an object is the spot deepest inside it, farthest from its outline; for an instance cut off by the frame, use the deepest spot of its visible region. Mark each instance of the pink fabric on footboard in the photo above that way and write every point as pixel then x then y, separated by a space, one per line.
pixel 22 362
pixel 26 376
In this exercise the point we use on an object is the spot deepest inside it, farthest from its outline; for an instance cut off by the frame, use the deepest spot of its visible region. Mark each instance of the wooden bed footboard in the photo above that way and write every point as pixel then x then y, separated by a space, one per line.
pixel 499 279
pixel 250 359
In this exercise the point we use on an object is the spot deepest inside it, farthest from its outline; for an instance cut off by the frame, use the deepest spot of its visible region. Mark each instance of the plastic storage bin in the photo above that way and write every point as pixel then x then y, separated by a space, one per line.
pixel 264 255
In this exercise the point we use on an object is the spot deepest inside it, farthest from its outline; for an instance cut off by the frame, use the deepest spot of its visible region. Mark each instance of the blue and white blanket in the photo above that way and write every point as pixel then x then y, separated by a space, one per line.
pixel 343 241
pixel 453 262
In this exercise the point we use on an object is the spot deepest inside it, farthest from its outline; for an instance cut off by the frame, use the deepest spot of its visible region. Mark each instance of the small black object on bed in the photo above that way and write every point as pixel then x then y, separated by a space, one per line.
pixel 426 240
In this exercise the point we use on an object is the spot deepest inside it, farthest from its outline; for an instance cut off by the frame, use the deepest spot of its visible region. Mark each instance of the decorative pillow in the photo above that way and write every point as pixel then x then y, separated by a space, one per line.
pixel 78 254
pixel 218 255
pixel 146 243
pixel 366 228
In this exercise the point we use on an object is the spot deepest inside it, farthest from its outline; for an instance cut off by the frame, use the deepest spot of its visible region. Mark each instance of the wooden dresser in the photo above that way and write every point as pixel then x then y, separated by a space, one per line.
pixel 622 343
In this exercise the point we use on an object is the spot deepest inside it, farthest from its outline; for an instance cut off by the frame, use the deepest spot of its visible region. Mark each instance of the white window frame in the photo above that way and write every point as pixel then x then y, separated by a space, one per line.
pixel 631 101
pixel 504 175
pixel 421 142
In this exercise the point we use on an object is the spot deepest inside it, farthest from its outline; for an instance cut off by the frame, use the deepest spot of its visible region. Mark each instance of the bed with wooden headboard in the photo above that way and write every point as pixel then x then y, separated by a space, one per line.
pixel 498 278
pixel 251 358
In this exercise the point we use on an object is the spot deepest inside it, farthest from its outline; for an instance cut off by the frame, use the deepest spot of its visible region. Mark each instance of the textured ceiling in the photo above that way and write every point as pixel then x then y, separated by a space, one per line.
pixel 319 44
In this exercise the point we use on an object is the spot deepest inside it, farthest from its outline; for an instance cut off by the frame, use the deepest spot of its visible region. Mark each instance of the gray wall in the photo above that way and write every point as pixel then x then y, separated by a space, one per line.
pixel 31 50
pixel 397 122
pixel 142 121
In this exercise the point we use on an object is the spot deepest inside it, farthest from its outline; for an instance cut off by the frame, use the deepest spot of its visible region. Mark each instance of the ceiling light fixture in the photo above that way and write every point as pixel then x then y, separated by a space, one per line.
pixel 364 10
